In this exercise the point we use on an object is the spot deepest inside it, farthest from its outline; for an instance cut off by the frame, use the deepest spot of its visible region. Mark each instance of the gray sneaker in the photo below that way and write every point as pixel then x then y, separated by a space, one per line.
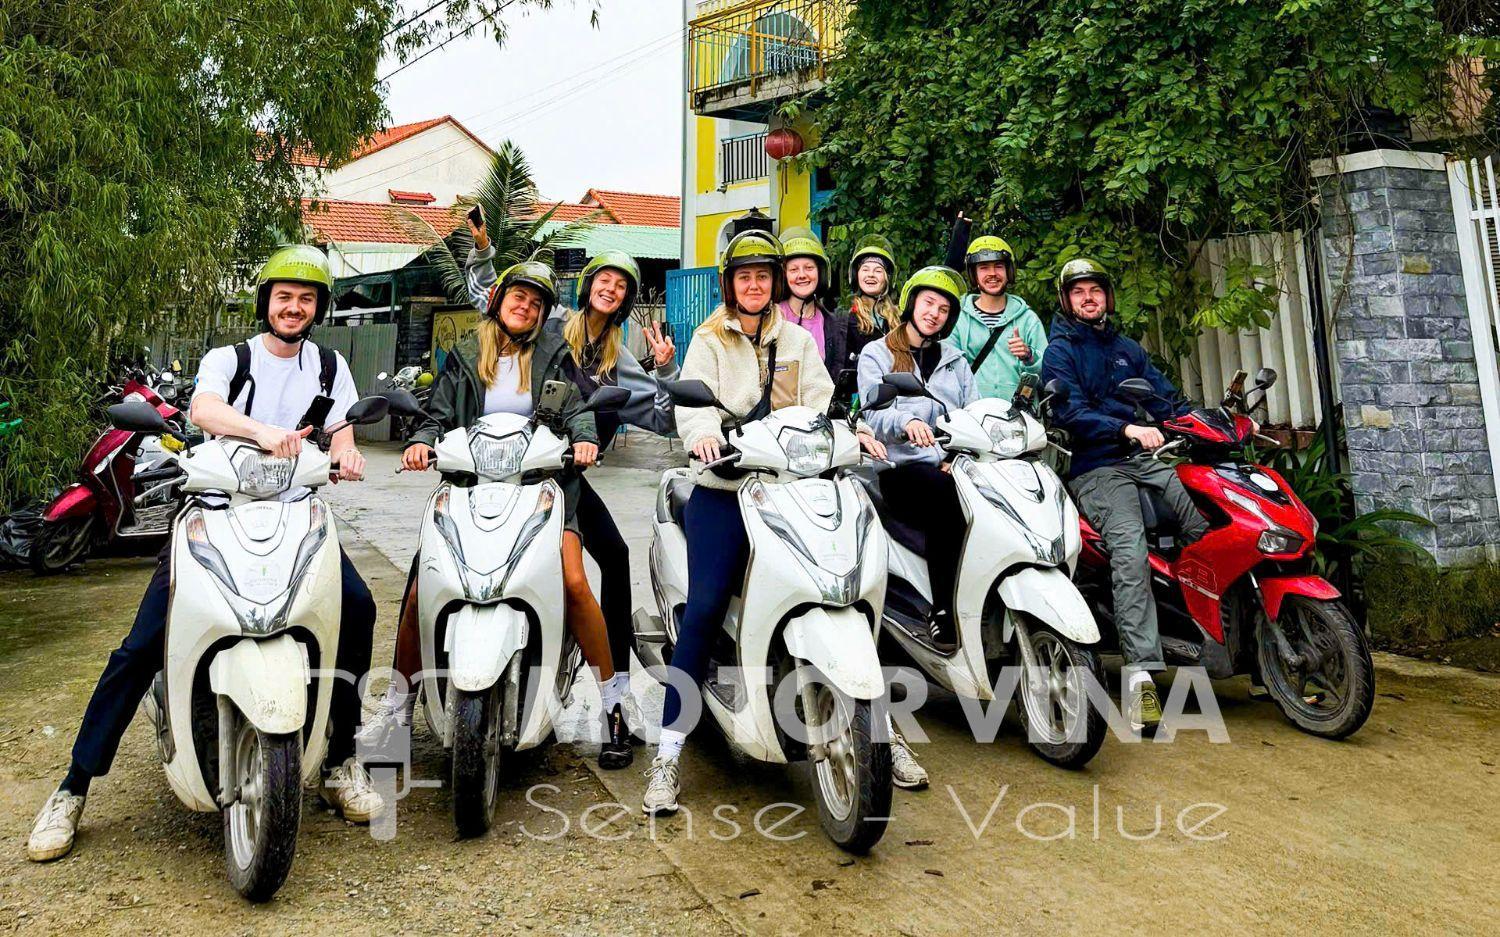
pixel 52 833
pixel 662 786
pixel 349 790
pixel 905 772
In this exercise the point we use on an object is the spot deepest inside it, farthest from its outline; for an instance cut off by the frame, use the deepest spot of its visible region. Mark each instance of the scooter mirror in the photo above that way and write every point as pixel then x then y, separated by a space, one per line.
pixel 138 416
pixel 607 399
pixel 381 376
pixel 690 393
pixel 1056 391
pixel 402 402
pixel 905 384
pixel 882 397
pixel 367 410
pixel 1265 377
pixel 1137 389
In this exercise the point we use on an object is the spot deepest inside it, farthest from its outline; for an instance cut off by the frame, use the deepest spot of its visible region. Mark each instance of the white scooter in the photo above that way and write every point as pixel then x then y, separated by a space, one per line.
pixel 810 605
pixel 1016 603
pixel 498 661
pixel 240 709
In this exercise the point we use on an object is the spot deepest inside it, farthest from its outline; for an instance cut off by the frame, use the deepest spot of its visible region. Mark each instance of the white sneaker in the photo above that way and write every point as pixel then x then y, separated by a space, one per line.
pixel 349 790
pixel 662 786
pixel 390 716
pixel 905 772
pixel 52 834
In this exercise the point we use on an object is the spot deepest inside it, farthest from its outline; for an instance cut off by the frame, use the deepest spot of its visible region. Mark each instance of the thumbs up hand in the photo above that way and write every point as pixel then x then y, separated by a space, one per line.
pixel 1018 346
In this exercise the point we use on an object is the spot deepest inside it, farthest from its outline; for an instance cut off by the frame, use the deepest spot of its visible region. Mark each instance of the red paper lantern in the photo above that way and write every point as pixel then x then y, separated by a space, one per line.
pixel 783 143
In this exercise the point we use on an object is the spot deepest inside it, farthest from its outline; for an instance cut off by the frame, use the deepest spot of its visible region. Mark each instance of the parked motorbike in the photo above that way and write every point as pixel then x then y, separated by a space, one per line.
pixel 810 605
pixel 1016 604
pixel 1244 598
pixel 128 489
pixel 497 658
pixel 240 711
pixel 416 380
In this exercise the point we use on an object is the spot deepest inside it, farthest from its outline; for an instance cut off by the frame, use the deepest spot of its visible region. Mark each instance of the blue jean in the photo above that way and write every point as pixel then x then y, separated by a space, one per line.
pixel 718 552
pixel 134 664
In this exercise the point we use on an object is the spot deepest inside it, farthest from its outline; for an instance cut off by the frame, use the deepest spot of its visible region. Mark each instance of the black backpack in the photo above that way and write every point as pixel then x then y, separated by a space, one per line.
pixel 328 370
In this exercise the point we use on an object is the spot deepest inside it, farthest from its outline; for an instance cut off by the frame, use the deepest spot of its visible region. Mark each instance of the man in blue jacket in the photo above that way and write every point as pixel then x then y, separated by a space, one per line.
pixel 1112 459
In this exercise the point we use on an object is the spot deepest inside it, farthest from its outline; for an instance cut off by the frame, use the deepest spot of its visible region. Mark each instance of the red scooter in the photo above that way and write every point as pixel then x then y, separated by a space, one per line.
pixel 118 496
pixel 1243 599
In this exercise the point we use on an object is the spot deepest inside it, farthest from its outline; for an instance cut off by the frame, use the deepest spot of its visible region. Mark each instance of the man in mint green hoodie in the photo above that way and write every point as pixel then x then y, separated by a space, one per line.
pixel 997 332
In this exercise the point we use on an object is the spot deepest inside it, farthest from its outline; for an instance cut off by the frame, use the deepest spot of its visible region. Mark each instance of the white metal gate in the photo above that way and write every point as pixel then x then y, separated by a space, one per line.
pixel 1476 210
pixel 1285 346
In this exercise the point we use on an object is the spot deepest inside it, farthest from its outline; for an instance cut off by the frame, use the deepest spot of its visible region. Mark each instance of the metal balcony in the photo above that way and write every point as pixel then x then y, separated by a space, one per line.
pixel 745 56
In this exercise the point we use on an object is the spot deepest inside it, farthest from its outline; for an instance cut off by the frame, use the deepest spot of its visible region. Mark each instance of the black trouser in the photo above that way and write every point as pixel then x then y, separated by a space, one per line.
pixel 923 496
pixel 135 663
pixel 601 538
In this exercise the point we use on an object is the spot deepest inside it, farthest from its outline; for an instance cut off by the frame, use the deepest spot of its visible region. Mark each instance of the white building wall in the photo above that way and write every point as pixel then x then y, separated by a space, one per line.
pixel 442 160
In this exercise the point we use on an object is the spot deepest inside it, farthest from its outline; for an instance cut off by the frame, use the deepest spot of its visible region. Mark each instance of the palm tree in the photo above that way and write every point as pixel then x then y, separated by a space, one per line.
pixel 517 232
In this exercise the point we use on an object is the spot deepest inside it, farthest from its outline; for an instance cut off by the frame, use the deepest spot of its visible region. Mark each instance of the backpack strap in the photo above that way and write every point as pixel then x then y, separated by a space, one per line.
pixel 989 346
pixel 329 369
pixel 242 377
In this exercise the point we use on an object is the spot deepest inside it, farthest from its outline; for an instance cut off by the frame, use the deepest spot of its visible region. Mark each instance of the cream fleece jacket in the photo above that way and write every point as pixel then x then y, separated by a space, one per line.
pixel 734 370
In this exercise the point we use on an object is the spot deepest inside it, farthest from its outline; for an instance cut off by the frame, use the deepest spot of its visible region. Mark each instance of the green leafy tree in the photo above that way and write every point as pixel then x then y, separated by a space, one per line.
pixel 1129 130
pixel 143 146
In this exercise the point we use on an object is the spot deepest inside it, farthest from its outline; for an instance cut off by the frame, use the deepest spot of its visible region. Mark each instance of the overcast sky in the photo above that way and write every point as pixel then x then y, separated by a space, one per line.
pixel 589 106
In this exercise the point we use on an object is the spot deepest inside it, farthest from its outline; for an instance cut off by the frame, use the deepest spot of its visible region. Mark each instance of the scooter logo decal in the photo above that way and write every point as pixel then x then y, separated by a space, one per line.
pixel 1199 577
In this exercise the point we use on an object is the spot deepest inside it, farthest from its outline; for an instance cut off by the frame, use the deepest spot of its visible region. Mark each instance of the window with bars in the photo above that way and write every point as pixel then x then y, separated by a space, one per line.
pixel 742 159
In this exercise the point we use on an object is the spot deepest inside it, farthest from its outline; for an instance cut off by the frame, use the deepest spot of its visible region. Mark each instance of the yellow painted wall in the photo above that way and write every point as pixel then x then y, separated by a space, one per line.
pixel 706 251
pixel 708 154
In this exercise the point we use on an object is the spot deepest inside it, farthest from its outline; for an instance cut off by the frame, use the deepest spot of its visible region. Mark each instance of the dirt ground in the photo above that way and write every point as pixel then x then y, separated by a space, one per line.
pixel 1394 830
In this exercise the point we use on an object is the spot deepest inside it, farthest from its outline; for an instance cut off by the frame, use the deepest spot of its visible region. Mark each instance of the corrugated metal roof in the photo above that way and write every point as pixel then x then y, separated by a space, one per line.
pixel 648 241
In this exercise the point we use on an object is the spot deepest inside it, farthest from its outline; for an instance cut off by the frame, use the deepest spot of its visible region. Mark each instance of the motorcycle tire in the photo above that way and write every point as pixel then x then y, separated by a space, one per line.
pixel 1326 626
pixel 1068 750
pixel 260 839
pixel 476 760
pixel 853 784
pixel 60 544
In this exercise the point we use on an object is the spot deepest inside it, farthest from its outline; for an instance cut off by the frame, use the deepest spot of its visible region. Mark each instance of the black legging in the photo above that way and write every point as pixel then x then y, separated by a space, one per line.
pixel 923 496
pixel 601 538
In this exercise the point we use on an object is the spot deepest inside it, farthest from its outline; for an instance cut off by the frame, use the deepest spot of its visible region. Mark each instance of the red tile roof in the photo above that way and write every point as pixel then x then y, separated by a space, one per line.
pixel 374 222
pixel 635 208
pixel 389 137
pixel 567 211
pixel 420 198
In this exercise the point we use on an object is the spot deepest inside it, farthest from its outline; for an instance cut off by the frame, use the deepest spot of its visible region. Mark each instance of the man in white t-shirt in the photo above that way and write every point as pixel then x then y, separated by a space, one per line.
pixel 265 402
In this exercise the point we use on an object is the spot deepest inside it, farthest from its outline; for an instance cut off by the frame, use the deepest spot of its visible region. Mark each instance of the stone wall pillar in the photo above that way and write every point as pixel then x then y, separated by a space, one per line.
pixel 1408 375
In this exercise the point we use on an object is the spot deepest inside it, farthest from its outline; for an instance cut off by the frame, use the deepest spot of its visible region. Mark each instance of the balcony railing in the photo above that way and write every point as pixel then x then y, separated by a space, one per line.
pixel 743 44
pixel 743 158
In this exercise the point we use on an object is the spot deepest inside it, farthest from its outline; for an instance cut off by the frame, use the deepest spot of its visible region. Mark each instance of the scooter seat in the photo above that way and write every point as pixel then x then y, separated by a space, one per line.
pixel 1157 513
pixel 679 490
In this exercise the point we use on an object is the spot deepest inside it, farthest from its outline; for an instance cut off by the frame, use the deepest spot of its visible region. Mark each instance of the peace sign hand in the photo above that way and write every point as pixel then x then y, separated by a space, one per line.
pixel 663 349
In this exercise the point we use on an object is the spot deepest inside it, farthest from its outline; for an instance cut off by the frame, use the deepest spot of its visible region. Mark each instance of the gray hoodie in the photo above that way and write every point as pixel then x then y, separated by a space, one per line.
pixel 952 382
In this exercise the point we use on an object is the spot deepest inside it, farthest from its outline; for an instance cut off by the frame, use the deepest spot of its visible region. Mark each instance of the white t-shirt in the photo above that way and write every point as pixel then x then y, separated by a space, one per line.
pixel 284 387
pixel 502 396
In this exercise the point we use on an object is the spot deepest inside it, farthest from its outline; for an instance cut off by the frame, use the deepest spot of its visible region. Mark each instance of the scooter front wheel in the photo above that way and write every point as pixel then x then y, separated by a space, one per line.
pixel 1062 725
pixel 476 760
pixel 853 776
pixel 1327 688
pixel 260 826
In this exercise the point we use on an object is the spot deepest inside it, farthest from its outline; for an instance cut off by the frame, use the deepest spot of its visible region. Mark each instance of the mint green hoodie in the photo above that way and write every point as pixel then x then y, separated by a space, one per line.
pixel 1001 372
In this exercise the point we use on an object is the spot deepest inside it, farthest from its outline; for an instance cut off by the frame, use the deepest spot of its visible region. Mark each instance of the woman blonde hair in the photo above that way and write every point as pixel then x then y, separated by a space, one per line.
pixel 902 358
pixel 494 343
pixel 576 331
pixel 865 309
pixel 717 324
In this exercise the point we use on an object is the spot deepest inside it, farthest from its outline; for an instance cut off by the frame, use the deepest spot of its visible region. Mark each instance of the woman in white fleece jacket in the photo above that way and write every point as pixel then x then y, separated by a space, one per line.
pixel 730 352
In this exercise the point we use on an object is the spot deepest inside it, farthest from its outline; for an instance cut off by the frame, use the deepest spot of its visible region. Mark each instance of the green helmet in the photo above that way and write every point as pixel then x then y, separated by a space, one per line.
pixel 1084 268
pixel 747 249
pixel 532 273
pixel 939 279
pixel 802 242
pixel 989 248
pixel 872 245
pixel 620 262
pixel 295 263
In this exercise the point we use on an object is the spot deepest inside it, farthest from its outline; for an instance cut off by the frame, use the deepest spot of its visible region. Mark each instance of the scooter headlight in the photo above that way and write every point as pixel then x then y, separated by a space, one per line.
pixel 481 587
pixel 1007 435
pixel 836 589
pixel 808 452
pixel 257 617
pixel 1275 538
pixel 263 475
pixel 497 456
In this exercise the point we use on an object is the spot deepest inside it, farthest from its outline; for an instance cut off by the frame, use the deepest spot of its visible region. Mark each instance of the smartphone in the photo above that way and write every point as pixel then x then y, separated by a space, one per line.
pixel 476 215
pixel 317 412
pixel 554 396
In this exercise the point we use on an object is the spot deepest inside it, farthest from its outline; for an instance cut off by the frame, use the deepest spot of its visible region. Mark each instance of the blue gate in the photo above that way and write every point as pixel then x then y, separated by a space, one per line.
pixel 692 295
